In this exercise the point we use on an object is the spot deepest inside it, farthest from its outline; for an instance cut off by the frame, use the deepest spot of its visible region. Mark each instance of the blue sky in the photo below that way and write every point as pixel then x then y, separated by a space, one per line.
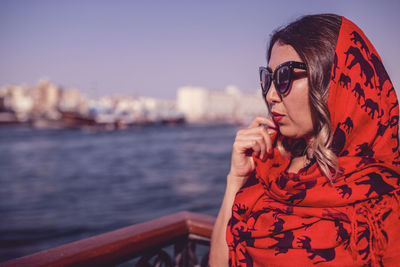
pixel 150 48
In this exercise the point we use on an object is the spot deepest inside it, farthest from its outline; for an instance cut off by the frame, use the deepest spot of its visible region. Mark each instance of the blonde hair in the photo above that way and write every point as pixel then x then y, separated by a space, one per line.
pixel 322 141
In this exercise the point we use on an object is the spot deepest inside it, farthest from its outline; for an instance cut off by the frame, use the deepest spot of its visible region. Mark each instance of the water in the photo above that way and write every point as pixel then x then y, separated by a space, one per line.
pixel 62 186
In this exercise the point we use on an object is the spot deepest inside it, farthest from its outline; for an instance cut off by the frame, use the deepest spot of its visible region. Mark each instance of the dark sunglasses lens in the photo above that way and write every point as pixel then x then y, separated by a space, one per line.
pixel 265 81
pixel 282 79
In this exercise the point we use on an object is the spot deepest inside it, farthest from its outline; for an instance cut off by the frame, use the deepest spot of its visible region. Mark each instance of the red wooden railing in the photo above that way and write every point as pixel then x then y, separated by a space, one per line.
pixel 145 240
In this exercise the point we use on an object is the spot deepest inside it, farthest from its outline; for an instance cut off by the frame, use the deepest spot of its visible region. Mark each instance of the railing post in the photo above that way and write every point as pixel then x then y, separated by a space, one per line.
pixel 185 253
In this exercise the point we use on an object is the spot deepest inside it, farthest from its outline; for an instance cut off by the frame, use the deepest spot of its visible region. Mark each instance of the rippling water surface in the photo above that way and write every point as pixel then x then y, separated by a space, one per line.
pixel 62 186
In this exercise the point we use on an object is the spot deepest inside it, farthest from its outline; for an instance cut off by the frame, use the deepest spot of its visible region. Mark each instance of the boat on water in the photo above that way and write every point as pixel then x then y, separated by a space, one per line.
pixel 186 235
pixel 72 120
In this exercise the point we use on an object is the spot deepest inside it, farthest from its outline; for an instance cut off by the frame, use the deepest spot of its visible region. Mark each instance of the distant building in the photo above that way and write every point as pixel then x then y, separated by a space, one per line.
pixel 71 100
pixel 192 102
pixel 200 105
pixel 17 100
pixel 45 97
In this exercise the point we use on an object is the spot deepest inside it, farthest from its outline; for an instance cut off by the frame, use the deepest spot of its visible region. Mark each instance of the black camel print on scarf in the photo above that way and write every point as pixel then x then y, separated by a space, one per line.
pixel 335 215
pixel 240 208
pixel 380 72
pixel 358 39
pixel 365 67
pixel 365 150
pixel 339 139
pixel 245 236
pixel 358 92
pixel 306 184
pixel 391 174
pixel 283 243
pixel 377 184
pixel 257 214
pixel 373 107
pixel 344 81
pixel 277 225
pixel 300 196
pixel 381 129
pixel 287 210
pixel 342 233
pixel 348 125
pixel 327 254
pixel 345 190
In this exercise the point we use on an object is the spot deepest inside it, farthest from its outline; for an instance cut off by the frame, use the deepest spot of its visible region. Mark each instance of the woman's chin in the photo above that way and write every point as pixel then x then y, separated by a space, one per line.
pixel 291 134
pixel 287 132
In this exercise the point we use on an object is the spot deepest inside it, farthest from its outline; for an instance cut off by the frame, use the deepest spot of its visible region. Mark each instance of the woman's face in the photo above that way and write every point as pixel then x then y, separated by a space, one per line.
pixel 291 112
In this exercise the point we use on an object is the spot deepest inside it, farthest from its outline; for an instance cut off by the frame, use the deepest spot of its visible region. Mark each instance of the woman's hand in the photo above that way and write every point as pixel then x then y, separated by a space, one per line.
pixel 253 140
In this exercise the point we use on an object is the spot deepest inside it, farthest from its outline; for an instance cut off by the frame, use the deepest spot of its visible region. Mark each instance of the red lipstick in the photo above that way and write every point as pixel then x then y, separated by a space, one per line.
pixel 276 116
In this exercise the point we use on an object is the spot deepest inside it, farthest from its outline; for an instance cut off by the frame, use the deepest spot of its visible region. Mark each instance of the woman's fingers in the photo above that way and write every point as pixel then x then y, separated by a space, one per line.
pixel 263 121
pixel 261 135
pixel 244 145
pixel 268 142
pixel 258 148
pixel 255 142
pixel 256 131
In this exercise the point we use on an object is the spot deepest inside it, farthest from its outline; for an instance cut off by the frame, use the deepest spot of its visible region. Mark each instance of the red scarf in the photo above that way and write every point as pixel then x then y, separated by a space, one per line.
pixel 286 219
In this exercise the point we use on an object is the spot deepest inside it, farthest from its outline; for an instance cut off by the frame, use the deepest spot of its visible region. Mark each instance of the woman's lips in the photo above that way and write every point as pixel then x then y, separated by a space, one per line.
pixel 276 116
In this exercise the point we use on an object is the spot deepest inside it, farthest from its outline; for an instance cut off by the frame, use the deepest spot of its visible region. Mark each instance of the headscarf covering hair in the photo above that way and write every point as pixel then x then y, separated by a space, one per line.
pixel 285 219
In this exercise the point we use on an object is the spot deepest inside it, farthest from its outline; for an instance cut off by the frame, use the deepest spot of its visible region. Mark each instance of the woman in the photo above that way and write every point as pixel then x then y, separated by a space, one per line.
pixel 318 183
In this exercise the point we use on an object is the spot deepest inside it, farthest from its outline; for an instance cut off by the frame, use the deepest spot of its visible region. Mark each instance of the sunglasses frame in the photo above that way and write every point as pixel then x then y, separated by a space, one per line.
pixel 291 64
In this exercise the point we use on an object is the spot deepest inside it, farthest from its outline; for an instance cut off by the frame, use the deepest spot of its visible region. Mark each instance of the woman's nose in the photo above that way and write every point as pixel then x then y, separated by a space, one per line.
pixel 272 95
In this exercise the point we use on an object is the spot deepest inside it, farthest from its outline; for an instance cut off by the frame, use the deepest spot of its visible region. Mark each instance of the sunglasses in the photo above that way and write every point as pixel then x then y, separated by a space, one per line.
pixel 282 76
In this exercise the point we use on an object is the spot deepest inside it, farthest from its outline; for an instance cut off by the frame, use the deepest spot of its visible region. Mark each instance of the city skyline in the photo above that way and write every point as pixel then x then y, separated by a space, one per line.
pixel 152 49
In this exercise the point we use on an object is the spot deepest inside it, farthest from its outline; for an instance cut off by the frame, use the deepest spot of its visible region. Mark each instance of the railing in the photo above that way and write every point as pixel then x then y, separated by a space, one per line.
pixel 146 242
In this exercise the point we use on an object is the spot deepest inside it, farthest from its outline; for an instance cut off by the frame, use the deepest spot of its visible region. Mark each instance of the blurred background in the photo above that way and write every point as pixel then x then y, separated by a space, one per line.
pixel 114 113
